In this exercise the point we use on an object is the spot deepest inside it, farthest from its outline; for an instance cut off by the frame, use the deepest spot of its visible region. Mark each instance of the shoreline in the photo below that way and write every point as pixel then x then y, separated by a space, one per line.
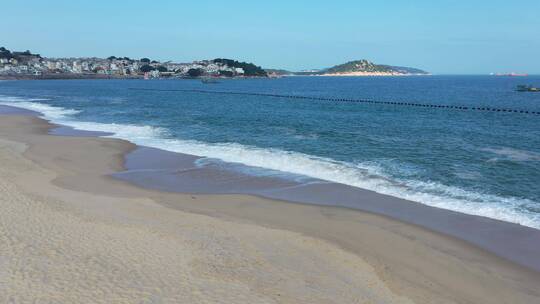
pixel 128 77
pixel 177 173
pixel 111 77
pixel 370 74
pixel 414 261
pixel 67 77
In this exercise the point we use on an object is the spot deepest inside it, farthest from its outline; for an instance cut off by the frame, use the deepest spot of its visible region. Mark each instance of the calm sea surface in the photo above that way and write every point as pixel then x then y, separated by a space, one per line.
pixel 484 163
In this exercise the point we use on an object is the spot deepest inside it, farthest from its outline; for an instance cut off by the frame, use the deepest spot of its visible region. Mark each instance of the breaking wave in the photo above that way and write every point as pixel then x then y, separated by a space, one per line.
pixel 366 175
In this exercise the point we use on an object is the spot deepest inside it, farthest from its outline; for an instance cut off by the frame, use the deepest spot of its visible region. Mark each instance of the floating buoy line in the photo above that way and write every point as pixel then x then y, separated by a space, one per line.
pixel 369 101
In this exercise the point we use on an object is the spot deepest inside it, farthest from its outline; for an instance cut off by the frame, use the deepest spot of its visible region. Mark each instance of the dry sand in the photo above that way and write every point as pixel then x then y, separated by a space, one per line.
pixel 70 234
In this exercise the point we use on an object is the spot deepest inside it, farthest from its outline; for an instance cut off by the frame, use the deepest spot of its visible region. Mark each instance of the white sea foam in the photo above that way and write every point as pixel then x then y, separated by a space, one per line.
pixel 513 154
pixel 364 175
pixel 52 113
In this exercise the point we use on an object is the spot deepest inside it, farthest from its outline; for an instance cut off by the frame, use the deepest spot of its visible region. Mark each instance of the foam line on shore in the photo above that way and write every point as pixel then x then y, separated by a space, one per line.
pixel 362 175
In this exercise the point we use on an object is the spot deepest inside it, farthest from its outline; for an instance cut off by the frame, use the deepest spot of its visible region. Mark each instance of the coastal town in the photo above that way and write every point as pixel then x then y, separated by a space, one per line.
pixel 27 65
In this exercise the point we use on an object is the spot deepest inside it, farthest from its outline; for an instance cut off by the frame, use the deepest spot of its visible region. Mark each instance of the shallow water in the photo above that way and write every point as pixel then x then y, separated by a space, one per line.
pixel 474 162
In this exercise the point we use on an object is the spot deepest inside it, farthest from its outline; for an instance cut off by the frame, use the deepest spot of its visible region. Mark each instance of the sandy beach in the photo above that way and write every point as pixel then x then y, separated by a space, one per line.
pixel 70 233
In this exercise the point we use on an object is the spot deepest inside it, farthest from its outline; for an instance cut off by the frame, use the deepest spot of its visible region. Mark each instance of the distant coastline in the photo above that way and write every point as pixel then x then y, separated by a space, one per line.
pixel 30 66
pixel 66 76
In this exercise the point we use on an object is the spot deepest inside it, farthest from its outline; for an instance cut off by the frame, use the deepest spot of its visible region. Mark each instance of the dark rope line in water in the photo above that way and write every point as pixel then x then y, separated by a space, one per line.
pixel 370 101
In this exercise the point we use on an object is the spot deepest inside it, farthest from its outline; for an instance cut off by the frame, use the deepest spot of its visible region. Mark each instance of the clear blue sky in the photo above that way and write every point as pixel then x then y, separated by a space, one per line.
pixel 458 37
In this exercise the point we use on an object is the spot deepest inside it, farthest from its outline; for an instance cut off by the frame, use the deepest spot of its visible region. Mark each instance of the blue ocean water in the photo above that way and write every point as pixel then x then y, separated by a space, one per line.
pixel 483 163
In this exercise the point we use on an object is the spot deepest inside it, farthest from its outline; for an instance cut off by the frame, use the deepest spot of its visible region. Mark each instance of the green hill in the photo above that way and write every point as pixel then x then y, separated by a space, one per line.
pixel 366 66
pixel 249 68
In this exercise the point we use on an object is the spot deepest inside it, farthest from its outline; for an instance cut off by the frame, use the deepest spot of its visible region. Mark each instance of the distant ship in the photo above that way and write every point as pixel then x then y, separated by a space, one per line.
pixel 527 88
pixel 511 74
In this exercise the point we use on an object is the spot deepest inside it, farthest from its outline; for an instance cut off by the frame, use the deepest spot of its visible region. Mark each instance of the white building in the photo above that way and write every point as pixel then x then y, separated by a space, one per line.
pixel 154 74
pixel 76 68
pixel 85 66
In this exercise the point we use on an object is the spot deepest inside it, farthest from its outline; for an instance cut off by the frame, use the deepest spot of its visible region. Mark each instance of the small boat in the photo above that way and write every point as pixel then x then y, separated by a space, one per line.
pixel 209 80
pixel 527 88
pixel 512 74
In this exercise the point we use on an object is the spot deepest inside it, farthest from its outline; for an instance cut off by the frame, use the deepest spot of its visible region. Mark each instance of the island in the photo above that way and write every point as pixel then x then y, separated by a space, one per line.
pixel 361 67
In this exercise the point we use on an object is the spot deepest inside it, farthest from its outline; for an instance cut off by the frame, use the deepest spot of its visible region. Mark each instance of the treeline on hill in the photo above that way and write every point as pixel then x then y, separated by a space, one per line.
pixel 358 66
pixel 249 68
pixel 146 67
pixel 144 60
pixel 120 58
pixel 5 53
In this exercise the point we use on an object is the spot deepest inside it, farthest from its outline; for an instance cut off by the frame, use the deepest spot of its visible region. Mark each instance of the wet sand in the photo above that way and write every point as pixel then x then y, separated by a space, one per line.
pixel 74 233
pixel 174 172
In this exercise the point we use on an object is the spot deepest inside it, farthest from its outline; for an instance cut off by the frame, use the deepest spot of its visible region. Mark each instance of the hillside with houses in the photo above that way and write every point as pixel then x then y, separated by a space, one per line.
pixel 33 66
